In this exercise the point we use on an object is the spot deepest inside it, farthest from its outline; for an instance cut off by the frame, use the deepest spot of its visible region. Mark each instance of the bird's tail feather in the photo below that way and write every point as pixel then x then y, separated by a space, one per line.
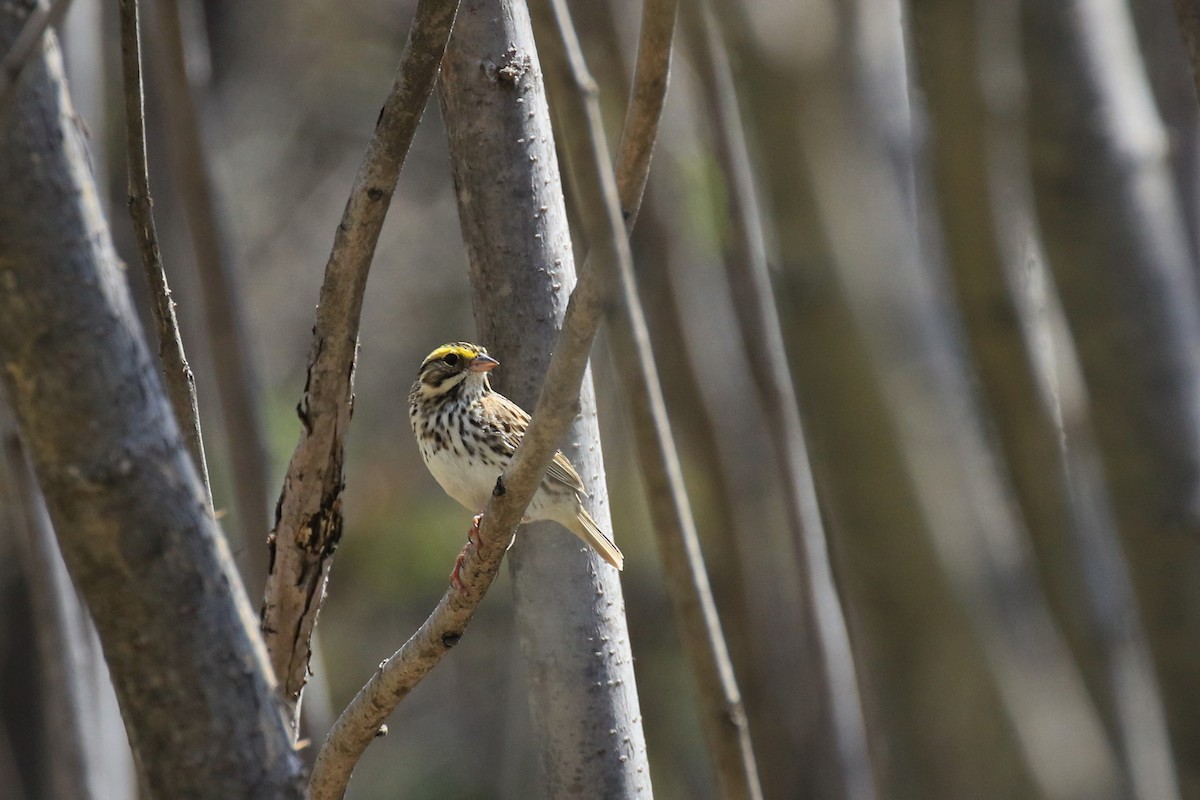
pixel 590 532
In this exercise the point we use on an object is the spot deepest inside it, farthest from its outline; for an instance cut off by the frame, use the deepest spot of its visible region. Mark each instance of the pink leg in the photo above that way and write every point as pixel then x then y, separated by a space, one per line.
pixel 473 540
pixel 455 579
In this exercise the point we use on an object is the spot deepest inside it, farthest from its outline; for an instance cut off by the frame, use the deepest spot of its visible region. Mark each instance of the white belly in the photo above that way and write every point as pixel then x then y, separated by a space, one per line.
pixel 469 485
pixel 471 482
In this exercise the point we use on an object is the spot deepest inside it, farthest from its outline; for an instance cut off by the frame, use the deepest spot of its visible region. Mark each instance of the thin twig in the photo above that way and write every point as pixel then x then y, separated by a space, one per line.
pixel 308 521
pixel 762 340
pixel 180 383
pixel 687 581
pixel 233 367
pixel 40 20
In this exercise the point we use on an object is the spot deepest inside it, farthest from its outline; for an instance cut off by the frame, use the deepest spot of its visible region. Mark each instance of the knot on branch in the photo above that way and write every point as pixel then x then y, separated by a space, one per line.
pixel 514 64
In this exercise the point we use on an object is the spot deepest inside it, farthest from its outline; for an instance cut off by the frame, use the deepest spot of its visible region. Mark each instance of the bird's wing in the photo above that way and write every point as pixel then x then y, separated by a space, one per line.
pixel 562 471
pixel 512 421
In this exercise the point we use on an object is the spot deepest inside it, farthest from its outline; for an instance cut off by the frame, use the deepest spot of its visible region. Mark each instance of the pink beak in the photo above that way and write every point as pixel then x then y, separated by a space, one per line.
pixel 483 364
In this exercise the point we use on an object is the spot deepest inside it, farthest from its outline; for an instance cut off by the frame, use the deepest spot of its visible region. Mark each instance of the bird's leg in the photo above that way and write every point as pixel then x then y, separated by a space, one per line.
pixel 455 579
pixel 473 540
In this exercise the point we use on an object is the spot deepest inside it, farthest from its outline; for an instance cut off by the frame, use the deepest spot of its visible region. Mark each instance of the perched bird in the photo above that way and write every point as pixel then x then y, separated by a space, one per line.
pixel 468 433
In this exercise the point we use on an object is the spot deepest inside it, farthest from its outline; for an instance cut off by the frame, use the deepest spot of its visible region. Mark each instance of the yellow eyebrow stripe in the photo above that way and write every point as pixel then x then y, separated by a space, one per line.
pixel 463 351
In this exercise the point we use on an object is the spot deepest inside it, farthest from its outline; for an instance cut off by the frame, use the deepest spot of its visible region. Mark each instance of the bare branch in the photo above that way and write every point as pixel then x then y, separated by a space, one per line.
pixel 687 582
pixel 765 354
pixel 574 647
pixel 309 514
pixel 180 383
pixel 555 411
pixel 28 41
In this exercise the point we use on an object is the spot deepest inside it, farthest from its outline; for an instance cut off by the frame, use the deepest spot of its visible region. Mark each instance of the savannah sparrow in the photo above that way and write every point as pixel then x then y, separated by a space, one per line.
pixel 468 434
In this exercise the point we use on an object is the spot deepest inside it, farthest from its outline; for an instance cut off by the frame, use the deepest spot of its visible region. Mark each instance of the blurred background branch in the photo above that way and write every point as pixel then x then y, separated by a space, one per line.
pixel 753 299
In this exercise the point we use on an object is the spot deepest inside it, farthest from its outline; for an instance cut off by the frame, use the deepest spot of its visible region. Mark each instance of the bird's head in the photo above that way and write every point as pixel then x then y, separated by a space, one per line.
pixel 453 367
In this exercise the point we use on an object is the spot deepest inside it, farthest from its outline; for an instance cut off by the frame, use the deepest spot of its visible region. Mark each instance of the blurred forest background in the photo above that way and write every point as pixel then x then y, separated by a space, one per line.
pixel 981 222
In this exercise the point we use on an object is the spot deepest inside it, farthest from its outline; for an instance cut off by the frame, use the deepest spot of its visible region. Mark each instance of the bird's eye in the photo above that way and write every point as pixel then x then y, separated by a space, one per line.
pixel 451 360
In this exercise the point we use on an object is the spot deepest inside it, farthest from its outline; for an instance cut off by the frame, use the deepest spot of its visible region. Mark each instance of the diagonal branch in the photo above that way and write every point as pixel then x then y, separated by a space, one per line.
pixel 180 383
pixel 308 521
pixel 722 712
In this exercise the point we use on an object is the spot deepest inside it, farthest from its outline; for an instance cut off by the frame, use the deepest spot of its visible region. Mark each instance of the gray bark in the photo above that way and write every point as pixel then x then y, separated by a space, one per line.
pixel 1117 249
pixel 178 634
pixel 570 615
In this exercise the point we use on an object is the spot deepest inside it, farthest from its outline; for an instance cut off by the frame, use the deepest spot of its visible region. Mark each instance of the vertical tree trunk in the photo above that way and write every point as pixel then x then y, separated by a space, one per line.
pixel 178 634
pixel 570 615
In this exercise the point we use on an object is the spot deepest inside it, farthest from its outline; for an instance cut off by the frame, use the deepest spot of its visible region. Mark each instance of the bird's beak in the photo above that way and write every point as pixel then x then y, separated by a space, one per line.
pixel 483 364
